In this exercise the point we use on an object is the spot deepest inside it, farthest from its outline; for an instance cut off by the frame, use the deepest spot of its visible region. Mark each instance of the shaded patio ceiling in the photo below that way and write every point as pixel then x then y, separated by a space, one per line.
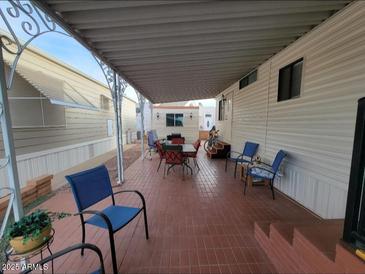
pixel 182 50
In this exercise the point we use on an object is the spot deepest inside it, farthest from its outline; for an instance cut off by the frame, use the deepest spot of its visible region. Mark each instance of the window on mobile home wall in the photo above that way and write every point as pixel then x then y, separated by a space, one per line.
pixel 221 107
pixel 174 119
pixel 35 110
pixel 290 80
pixel 248 79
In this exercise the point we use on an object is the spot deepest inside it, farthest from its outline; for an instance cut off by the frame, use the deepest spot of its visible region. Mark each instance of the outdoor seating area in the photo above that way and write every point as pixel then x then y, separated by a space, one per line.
pixel 201 225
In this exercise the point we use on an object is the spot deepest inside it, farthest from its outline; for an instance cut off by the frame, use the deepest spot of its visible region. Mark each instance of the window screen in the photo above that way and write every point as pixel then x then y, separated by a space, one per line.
pixel 221 110
pixel 174 119
pixel 248 79
pixel 170 119
pixel 290 80
pixel 35 112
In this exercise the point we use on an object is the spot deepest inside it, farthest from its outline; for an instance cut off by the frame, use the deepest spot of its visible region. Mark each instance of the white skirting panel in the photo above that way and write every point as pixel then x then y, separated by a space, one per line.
pixel 56 160
pixel 318 193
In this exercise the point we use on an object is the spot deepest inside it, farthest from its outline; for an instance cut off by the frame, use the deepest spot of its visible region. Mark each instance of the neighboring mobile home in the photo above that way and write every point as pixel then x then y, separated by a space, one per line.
pixel 60 116
pixel 176 118
pixel 304 100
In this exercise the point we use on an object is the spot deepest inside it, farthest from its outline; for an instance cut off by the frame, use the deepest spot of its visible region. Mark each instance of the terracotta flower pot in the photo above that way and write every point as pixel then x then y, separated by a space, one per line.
pixel 23 247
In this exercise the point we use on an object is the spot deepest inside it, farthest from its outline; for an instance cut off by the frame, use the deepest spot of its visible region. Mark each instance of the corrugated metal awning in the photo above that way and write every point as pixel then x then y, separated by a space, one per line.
pixel 183 50
pixel 58 91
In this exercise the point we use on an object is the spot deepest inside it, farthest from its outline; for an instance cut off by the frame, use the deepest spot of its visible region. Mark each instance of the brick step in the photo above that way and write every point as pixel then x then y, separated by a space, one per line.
pixel 219 150
pixel 317 245
pixel 307 247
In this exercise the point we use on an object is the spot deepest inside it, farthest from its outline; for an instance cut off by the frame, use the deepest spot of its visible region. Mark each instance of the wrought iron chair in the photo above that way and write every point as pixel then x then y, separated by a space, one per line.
pixel 161 153
pixel 178 141
pixel 92 186
pixel 266 172
pixel 246 156
pixel 63 252
pixel 173 157
pixel 173 135
pixel 194 155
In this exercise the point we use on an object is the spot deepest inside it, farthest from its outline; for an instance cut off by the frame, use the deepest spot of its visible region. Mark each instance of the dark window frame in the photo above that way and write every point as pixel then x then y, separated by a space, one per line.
pixel 221 106
pixel 248 79
pixel 176 122
pixel 286 87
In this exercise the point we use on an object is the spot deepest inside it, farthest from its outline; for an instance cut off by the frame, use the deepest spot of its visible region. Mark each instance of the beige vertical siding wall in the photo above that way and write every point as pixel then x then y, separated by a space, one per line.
pixel 316 129
pixel 190 130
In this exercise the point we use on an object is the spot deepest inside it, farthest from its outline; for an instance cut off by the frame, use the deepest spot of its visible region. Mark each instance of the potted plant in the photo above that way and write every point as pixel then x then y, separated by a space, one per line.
pixel 32 230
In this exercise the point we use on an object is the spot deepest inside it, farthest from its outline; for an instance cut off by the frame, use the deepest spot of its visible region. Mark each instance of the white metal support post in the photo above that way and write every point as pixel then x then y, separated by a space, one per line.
pixel 6 128
pixel 121 86
pixel 117 128
pixel 141 101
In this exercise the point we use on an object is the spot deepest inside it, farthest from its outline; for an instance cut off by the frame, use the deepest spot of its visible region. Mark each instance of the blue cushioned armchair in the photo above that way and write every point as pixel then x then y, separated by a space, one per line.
pixel 266 172
pixel 246 156
pixel 90 187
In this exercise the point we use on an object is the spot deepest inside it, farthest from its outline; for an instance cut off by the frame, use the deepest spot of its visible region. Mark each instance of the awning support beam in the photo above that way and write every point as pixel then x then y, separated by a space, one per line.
pixel 117 86
pixel 141 101
pixel 8 139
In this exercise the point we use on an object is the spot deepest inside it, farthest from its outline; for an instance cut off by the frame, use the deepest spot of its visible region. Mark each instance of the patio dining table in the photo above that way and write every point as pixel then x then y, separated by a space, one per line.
pixel 186 149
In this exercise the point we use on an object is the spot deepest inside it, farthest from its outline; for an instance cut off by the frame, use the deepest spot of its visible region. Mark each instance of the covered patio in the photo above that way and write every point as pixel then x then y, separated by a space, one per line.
pixel 203 224
pixel 183 50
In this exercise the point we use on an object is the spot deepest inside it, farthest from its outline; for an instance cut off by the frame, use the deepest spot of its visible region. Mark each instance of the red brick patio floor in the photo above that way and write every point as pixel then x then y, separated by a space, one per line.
pixel 203 224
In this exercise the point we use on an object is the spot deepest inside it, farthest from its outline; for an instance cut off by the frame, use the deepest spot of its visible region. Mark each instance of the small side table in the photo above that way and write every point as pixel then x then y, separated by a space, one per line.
pixel 250 182
pixel 12 256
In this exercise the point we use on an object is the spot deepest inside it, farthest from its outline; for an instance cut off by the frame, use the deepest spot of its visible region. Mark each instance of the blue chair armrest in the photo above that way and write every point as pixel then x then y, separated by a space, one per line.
pixel 101 215
pixel 133 191
pixel 265 164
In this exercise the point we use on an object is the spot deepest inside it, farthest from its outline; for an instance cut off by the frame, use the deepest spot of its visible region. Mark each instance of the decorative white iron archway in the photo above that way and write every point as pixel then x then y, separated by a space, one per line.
pixel 34 23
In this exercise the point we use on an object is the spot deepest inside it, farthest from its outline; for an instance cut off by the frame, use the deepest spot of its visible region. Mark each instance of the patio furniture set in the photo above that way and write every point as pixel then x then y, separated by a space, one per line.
pixel 174 152
pixel 255 169
pixel 92 186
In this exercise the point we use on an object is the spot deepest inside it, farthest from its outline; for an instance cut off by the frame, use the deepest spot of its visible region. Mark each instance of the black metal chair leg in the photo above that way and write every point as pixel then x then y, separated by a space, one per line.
pixel 159 165
pixel 226 164
pixel 164 171
pixel 145 223
pixel 244 189
pixel 83 236
pixel 272 189
pixel 112 249
pixel 168 170
pixel 183 170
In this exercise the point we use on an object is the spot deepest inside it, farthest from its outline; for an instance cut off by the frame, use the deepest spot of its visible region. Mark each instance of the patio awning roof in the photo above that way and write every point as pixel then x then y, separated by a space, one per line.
pixel 58 91
pixel 183 50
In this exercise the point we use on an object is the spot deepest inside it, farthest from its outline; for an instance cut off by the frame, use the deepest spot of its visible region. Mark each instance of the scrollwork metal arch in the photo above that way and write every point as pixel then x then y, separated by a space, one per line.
pixel 29 26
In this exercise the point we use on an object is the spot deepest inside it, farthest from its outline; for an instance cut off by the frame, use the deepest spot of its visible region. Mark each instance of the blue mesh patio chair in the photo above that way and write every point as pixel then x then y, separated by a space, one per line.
pixel 246 156
pixel 67 250
pixel 154 133
pixel 151 142
pixel 266 172
pixel 92 186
